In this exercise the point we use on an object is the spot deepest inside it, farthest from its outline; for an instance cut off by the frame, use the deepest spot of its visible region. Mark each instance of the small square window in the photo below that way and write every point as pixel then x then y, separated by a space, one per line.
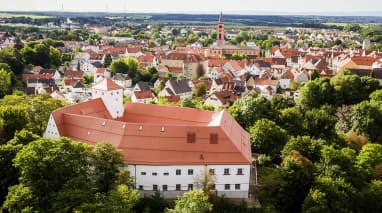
pixel 165 173
pixel 164 187
pixel 177 187
pixel 190 172
pixel 211 171
pixel 143 173
pixel 227 186
pixel 155 187
pixel 226 171
pixel 190 186
pixel 154 174
pixel 140 187
pixel 178 172
pixel 237 186
pixel 240 171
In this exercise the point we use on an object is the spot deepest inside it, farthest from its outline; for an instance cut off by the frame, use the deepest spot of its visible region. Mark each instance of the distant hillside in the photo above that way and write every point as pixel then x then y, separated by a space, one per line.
pixel 253 20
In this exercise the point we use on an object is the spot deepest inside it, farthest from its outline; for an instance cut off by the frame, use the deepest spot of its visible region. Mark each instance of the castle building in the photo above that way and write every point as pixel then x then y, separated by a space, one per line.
pixel 222 48
pixel 166 149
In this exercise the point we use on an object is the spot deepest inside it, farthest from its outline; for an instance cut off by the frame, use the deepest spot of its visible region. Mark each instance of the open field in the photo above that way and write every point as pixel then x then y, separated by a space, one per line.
pixel 17 15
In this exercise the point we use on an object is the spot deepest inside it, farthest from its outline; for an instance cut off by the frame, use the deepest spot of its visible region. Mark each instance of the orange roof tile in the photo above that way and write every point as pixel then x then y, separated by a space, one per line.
pixel 157 135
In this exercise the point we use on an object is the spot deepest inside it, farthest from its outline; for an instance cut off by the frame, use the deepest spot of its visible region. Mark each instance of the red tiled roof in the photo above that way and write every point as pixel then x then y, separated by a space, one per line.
pixel 101 70
pixel 266 82
pixel 185 57
pixel 216 62
pixel 73 74
pixel 143 94
pixel 37 76
pixel 157 135
pixel 363 60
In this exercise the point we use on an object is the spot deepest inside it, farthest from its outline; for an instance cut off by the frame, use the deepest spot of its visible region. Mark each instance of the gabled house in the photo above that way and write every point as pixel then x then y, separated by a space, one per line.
pixel 193 65
pixel 142 97
pixel 141 86
pixel 221 99
pixel 177 87
pixel 267 88
pixel 358 63
pixel 123 80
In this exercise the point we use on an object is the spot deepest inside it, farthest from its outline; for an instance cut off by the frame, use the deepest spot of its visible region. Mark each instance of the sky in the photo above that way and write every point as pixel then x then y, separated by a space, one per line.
pixel 332 7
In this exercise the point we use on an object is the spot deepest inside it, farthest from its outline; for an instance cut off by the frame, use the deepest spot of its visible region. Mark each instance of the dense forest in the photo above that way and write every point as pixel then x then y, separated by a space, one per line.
pixel 322 153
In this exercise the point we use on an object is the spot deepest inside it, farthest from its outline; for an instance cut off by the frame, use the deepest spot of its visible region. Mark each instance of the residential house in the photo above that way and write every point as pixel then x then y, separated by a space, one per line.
pixel 177 87
pixel 221 99
pixel 142 97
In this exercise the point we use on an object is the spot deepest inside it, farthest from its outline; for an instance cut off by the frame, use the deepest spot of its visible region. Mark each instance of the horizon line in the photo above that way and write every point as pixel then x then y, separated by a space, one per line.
pixel 247 12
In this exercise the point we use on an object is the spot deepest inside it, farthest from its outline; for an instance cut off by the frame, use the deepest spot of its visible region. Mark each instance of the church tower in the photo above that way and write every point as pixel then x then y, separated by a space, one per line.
pixel 220 31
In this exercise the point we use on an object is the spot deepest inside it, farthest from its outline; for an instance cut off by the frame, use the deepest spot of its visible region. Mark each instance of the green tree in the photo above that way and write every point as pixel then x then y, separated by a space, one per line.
pixel 55 172
pixel 9 174
pixel 5 82
pixel 13 58
pixel 370 197
pixel 368 160
pixel 106 161
pixel 305 145
pixel 121 199
pixel 250 109
pixel 192 201
pixel 291 119
pixel 367 120
pixel 330 195
pixel 279 102
pixel 107 61
pixel 14 117
pixel 23 137
pixel 200 89
pixel 39 110
pixel 187 103
pixel 316 93
pixel 337 163
pixel 20 199
pixel 268 138
pixel 314 75
pixel 319 123
pixel 296 180
pixel 376 96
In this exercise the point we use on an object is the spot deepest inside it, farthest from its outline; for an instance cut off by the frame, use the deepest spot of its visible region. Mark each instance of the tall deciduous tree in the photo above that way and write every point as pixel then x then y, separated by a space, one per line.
pixel 268 138
pixel 330 195
pixel 192 201
pixel 5 82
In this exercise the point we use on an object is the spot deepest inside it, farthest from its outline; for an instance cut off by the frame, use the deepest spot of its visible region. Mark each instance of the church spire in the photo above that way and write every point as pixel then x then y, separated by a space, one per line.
pixel 220 30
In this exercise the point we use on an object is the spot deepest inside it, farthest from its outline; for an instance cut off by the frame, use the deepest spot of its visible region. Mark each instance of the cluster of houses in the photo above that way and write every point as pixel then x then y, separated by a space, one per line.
pixel 181 69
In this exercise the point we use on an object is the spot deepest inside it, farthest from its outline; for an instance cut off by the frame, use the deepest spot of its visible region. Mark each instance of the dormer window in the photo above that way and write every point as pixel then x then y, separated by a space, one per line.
pixel 191 136
pixel 213 138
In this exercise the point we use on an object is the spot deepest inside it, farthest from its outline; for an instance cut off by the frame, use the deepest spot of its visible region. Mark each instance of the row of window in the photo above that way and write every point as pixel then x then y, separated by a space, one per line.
pixel 191 138
pixel 190 187
pixel 191 172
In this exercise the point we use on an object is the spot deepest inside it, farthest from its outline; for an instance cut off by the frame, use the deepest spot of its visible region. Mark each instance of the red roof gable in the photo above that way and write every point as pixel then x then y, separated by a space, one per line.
pixel 107 85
